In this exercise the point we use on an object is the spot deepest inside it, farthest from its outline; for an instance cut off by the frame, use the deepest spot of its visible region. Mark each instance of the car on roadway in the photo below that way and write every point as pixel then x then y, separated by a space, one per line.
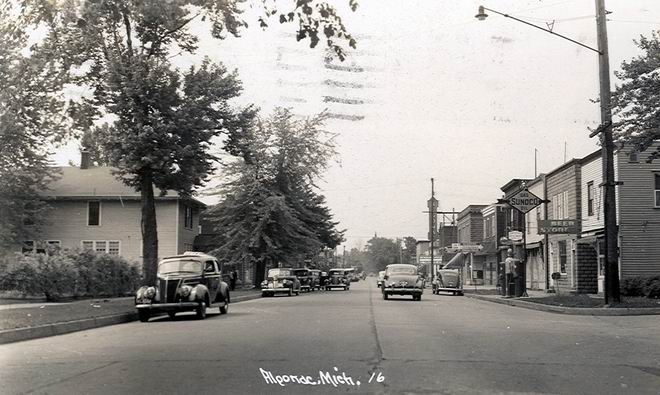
pixel 338 278
pixel 401 279
pixel 379 281
pixel 188 282
pixel 448 280
pixel 305 278
pixel 280 280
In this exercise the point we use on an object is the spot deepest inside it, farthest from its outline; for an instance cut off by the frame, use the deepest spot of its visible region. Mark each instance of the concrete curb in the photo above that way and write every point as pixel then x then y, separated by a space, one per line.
pixel 569 310
pixel 60 328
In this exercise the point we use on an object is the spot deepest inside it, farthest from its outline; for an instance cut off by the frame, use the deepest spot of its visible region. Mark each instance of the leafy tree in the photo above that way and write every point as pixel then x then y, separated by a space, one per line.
pixel 165 118
pixel 382 251
pixel 32 119
pixel 636 101
pixel 270 212
pixel 409 250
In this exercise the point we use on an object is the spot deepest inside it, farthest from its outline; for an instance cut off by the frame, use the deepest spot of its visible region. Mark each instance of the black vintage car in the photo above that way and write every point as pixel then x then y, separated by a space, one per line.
pixel 280 280
pixel 338 278
pixel 305 278
pixel 448 280
pixel 402 280
pixel 188 282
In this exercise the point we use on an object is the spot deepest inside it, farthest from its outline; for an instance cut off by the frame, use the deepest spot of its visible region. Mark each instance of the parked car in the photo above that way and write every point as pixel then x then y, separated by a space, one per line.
pixel 316 278
pixel 338 278
pixel 188 282
pixel 402 279
pixel 379 281
pixel 280 280
pixel 305 278
pixel 448 280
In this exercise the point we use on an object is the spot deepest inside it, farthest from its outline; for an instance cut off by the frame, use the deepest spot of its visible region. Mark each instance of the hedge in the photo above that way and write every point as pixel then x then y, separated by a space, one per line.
pixel 641 286
pixel 69 273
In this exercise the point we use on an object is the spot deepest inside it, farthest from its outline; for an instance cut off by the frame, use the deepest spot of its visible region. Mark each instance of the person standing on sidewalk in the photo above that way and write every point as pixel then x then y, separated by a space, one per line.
pixel 509 267
pixel 232 280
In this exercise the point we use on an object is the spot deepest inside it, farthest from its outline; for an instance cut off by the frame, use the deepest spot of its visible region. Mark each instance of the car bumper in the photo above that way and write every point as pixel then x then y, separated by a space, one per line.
pixel 276 290
pixel 402 291
pixel 449 289
pixel 336 285
pixel 167 306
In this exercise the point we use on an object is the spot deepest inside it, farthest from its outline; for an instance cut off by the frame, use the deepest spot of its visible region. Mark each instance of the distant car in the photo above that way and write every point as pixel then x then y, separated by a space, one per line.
pixel 305 278
pixel 338 278
pixel 280 280
pixel 448 280
pixel 402 279
pixel 379 282
pixel 188 282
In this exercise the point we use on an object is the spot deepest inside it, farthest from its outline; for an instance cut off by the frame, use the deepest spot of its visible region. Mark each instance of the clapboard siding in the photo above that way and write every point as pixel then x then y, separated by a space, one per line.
pixel 537 188
pixel 120 221
pixel 639 226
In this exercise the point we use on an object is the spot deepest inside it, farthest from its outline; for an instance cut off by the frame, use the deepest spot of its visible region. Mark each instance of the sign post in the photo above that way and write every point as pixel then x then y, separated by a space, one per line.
pixel 524 201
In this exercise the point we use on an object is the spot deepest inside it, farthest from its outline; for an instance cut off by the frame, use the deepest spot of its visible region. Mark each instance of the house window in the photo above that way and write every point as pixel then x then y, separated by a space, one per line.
pixel 563 257
pixel 590 198
pixel 187 247
pixel 111 247
pixel 657 189
pixel 28 246
pixel 39 246
pixel 560 206
pixel 633 156
pixel 188 217
pixel 93 213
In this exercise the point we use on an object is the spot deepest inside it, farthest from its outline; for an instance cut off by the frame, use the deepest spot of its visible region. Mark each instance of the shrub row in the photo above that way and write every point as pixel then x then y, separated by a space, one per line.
pixel 68 273
pixel 641 286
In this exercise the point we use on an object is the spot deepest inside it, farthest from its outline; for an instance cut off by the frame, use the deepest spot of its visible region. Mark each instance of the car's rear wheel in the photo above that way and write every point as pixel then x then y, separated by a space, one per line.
pixel 385 296
pixel 172 314
pixel 297 292
pixel 290 292
pixel 200 310
pixel 144 315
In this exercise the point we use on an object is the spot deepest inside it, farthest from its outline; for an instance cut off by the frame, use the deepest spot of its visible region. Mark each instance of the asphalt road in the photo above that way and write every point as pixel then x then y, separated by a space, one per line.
pixel 443 344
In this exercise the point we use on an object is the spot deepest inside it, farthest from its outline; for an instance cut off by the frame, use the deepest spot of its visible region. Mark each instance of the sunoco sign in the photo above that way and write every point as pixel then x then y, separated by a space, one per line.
pixel 524 201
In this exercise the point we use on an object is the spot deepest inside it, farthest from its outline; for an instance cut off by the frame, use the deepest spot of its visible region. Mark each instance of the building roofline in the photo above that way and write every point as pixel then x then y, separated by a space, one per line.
pixel 514 181
pixel 571 162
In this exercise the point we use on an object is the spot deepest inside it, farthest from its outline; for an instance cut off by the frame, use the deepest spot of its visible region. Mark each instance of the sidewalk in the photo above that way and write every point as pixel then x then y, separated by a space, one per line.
pixel 23 321
pixel 533 302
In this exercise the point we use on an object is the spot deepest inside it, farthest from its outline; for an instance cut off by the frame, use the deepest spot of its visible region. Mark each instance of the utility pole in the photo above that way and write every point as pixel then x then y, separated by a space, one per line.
pixel 607 153
pixel 433 208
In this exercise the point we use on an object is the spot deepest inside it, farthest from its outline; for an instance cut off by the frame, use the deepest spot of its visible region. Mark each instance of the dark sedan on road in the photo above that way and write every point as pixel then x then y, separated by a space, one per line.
pixel 448 280
pixel 338 278
pixel 188 282
pixel 280 280
pixel 402 280
pixel 305 277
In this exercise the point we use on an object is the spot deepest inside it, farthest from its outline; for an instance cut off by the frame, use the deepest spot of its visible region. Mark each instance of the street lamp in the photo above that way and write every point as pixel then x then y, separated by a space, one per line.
pixel 607 143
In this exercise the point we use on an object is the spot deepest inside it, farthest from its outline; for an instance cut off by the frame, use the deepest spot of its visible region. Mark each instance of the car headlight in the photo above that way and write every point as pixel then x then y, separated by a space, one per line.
pixel 264 283
pixel 150 292
pixel 185 290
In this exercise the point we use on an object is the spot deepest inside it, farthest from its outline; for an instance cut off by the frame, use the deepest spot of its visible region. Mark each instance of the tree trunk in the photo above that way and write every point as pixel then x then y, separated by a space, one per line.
pixel 149 232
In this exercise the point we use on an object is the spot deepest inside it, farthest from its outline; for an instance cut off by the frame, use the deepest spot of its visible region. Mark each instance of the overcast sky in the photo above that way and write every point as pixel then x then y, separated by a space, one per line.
pixel 433 92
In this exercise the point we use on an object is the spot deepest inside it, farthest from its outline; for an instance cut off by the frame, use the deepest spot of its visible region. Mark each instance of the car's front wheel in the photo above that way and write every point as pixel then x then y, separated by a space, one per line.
pixel 200 310
pixel 385 296
pixel 225 307
pixel 144 315
pixel 172 314
pixel 290 292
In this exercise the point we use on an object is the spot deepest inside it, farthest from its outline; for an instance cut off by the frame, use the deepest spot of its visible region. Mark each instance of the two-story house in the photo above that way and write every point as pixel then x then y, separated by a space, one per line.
pixel 91 209
pixel 638 212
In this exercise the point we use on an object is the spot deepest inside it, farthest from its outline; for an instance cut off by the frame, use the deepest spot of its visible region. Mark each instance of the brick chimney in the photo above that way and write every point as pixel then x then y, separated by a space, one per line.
pixel 84 160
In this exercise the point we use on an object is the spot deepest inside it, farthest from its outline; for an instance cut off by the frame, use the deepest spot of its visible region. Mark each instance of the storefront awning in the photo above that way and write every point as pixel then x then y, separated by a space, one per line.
pixel 456 262
pixel 532 246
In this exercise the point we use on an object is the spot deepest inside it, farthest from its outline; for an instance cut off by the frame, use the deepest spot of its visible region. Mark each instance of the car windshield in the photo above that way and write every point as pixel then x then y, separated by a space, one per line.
pixel 402 270
pixel 180 266
pixel 279 273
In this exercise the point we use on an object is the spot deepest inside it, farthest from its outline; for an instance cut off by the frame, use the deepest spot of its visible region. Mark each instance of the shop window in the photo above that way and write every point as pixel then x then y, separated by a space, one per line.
pixel 563 257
